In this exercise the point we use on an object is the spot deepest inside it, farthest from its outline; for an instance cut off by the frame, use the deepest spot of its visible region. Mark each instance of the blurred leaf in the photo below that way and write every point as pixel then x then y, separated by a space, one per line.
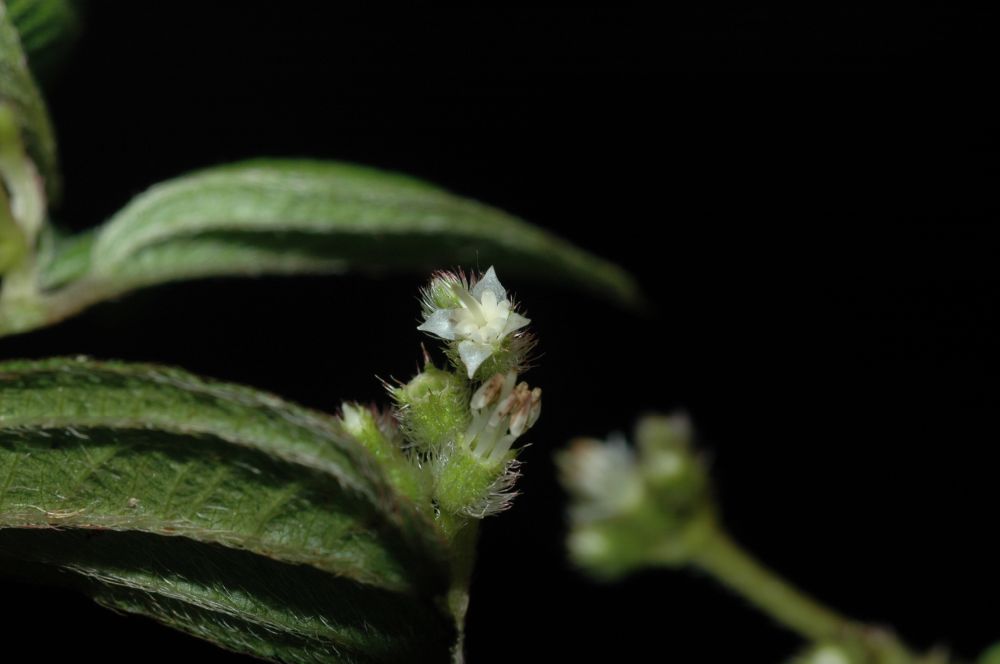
pixel 220 510
pixel 18 90
pixel 990 656
pixel 46 27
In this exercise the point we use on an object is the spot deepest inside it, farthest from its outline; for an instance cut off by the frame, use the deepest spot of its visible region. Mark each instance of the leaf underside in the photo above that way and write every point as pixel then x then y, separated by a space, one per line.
pixel 219 510
pixel 299 217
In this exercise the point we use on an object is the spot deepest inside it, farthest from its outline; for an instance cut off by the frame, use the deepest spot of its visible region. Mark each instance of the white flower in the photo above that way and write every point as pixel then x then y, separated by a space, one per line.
pixel 482 319
pixel 827 655
pixel 603 477
pixel 502 410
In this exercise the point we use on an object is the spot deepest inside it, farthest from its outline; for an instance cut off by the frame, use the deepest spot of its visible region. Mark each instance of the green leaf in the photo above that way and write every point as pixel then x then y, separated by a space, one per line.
pixel 990 656
pixel 18 91
pixel 284 612
pixel 289 217
pixel 217 509
pixel 46 27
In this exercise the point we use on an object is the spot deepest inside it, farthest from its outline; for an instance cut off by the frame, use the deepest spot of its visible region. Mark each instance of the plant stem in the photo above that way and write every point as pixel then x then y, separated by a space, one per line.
pixel 724 559
pixel 463 557
pixel 23 308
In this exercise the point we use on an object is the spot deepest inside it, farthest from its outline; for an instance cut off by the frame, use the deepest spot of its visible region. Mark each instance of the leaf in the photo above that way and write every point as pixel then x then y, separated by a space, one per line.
pixel 18 90
pixel 217 509
pixel 990 656
pixel 46 27
pixel 289 217
pixel 289 613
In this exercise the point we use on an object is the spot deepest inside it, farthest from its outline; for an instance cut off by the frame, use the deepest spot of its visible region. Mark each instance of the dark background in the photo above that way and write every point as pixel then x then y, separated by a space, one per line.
pixel 808 200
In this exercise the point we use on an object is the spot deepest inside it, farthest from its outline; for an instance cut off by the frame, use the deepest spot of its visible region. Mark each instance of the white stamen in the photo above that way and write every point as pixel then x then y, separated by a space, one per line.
pixel 502 410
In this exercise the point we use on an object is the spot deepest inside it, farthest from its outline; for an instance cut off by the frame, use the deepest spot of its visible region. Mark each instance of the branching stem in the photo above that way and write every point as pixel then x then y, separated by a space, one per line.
pixel 730 564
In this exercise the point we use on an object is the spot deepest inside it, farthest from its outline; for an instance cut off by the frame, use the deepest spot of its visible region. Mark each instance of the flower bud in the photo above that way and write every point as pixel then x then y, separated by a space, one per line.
pixel 379 433
pixel 440 293
pixel 433 408
pixel 668 465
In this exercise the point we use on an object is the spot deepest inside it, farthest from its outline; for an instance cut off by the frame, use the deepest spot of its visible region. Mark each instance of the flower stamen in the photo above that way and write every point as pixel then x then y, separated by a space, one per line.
pixel 502 410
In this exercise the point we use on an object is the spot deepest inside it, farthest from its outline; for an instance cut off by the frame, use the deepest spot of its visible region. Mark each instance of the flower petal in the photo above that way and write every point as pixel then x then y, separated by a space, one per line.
pixel 515 321
pixel 440 324
pixel 489 282
pixel 473 354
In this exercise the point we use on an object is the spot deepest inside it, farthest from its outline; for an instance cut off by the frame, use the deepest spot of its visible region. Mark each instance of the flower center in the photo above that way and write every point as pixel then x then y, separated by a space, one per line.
pixel 482 321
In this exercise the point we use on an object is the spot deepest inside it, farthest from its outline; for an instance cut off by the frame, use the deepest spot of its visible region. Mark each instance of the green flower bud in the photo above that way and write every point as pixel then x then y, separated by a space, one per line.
pixel 440 293
pixel 433 408
pixel 673 474
pixel 379 433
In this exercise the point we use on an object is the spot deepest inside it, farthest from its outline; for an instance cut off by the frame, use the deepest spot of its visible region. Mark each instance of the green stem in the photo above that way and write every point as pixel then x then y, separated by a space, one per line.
pixel 23 309
pixel 724 559
pixel 463 557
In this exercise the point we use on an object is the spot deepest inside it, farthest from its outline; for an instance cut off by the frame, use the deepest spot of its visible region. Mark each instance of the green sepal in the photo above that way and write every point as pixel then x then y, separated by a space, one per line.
pixel 463 482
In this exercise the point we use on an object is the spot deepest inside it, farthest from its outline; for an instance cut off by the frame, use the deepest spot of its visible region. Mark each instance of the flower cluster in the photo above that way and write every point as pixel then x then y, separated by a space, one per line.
pixel 461 422
pixel 629 507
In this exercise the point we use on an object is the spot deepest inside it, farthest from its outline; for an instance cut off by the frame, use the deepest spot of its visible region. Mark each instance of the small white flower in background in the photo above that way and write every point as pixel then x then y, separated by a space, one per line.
pixel 603 477
pixel 502 410
pixel 827 655
pixel 482 319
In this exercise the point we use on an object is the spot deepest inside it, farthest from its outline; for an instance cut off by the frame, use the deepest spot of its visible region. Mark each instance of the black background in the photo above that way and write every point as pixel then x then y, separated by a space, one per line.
pixel 808 200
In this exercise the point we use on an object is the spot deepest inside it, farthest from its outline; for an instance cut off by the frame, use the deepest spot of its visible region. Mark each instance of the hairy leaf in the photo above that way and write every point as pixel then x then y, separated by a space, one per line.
pixel 18 91
pixel 242 601
pixel 286 217
pixel 214 508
